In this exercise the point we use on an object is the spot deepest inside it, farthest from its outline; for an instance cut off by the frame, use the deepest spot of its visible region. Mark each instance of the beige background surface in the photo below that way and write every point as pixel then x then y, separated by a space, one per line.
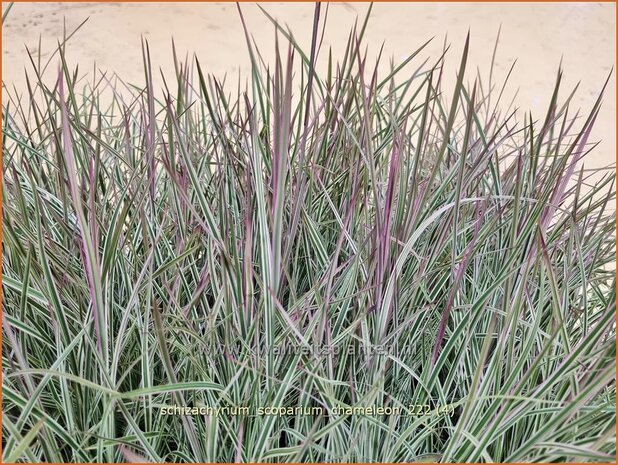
pixel 538 35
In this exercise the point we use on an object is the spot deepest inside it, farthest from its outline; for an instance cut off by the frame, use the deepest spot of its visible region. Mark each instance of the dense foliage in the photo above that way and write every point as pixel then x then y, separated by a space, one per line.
pixel 160 246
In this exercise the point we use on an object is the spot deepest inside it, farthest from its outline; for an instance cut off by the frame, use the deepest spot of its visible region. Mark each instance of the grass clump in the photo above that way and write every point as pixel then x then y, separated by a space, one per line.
pixel 336 242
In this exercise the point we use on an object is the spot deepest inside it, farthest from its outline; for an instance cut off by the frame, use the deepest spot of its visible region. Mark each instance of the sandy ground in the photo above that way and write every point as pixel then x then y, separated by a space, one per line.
pixel 538 35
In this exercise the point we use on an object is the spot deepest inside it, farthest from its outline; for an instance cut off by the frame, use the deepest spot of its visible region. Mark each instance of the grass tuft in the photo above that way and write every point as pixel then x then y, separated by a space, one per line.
pixel 330 242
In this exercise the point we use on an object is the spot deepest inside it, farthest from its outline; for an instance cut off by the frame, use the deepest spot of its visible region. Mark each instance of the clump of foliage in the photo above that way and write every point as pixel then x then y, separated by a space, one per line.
pixel 158 245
